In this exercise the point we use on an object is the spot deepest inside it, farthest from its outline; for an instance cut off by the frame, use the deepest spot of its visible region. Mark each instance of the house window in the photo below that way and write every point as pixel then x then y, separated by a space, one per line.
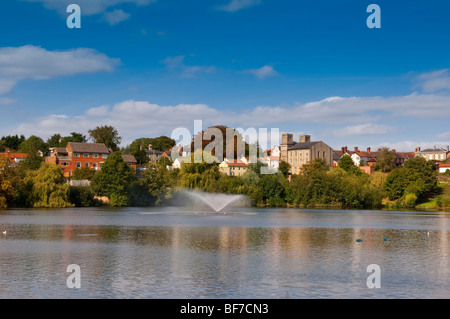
pixel 78 164
pixel 95 166
pixel 64 164
pixel 86 155
pixel 104 155
pixel 76 154
pixel 86 164
pixel 95 155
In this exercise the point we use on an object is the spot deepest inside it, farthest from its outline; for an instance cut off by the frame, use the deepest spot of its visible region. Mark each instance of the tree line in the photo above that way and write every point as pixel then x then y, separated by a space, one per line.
pixel 37 184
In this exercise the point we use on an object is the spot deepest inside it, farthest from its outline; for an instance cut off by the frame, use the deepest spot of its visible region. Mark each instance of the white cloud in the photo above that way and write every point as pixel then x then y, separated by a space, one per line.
pixel 266 71
pixel 364 129
pixel 115 17
pixel 236 5
pixel 6 101
pixel 88 7
pixel 434 81
pixel 176 63
pixel 32 62
pixel 445 135
pixel 141 118
pixel 133 119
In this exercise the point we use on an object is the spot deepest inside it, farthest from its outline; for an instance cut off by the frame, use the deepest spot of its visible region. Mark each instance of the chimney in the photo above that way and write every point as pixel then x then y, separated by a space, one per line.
pixel 150 147
pixel 417 149
pixel 448 150
pixel 356 149
pixel 7 150
pixel 305 138
pixel 434 147
pixel 368 150
pixel 343 149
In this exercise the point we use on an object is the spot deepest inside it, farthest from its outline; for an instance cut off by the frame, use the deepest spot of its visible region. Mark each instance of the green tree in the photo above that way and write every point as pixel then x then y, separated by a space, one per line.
pixel 272 190
pixel 114 180
pixel 284 168
pixel 47 187
pixel 33 145
pixel 54 140
pixel 83 173
pixel 107 135
pixel 386 160
pixel 417 177
pixel 32 162
pixel 156 182
pixel 203 175
pixel 12 142
pixel 347 164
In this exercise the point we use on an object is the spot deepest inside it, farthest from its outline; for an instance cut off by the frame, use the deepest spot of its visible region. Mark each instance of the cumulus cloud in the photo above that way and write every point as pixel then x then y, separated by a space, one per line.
pixel 176 63
pixel 115 17
pixel 88 7
pixel 32 62
pixel 434 81
pixel 236 5
pixel 266 71
pixel 364 129
pixel 355 116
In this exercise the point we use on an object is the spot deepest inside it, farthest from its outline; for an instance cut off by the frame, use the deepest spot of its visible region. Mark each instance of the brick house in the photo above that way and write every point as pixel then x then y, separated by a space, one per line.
pixel 78 155
pixel 13 156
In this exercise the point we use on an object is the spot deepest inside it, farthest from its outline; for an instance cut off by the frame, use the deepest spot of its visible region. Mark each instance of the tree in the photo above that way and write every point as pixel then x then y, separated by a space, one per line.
pixel 347 164
pixel 284 168
pixel 203 175
pixel 386 160
pixel 107 135
pixel 417 177
pixel 57 141
pixel 47 187
pixel 32 162
pixel 318 166
pixel 272 189
pixel 156 183
pixel 33 145
pixel 12 142
pixel 83 173
pixel 8 182
pixel 114 180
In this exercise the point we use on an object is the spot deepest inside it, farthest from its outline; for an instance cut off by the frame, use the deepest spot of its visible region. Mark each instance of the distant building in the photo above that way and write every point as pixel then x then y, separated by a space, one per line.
pixel 434 154
pixel 78 155
pixel 13 156
pixel 153 155
pixel 444 168
pixel 233 167
pixel 299 153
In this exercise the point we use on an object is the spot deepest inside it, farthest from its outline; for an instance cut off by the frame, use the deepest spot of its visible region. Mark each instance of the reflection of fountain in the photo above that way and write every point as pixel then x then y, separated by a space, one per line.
pixel 216 201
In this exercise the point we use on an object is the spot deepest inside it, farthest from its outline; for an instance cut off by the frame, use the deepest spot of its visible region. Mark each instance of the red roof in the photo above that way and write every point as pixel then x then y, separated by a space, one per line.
pixel 444 165
pixel 15 155
pixel 236 163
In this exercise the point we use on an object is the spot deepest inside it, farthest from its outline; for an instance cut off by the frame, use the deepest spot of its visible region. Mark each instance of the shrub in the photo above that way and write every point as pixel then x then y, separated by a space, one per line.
pixel 410 200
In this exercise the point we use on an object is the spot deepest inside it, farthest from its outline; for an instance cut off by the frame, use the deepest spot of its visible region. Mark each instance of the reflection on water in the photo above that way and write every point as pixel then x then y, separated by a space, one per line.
pixel 270 253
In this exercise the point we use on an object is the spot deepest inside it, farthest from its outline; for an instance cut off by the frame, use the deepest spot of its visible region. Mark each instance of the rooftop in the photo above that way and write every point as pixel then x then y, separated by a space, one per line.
pixel 99 148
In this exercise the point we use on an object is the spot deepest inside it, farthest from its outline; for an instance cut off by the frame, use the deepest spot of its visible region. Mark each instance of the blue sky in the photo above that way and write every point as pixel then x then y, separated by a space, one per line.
pixel 147 67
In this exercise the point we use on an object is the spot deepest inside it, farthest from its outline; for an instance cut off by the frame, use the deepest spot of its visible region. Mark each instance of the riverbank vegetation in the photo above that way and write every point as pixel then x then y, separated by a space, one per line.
pixel 33 183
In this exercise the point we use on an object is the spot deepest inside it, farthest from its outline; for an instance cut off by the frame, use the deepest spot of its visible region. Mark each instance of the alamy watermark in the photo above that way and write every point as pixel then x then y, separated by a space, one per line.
pixel 241 145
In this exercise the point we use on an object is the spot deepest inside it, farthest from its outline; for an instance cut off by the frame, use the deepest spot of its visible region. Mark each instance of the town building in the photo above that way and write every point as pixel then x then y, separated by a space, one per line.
pixel 434 154
pixel 443 168
pixel 299 153
pixel 78 155
pixel 14 156
pixel 233 167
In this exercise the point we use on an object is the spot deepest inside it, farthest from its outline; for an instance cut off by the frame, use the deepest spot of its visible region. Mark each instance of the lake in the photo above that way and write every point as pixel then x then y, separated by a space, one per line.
pixel 247 253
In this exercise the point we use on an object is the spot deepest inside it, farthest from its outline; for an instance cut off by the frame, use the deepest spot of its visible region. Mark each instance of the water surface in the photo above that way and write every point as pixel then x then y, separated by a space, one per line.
pixel 247 253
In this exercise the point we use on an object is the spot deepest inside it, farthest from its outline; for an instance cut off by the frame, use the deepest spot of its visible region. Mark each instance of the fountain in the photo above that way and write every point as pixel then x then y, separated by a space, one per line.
pixel 216 201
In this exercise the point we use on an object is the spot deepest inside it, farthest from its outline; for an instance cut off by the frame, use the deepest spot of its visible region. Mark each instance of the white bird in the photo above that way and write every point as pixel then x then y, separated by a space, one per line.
pixel 4 233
